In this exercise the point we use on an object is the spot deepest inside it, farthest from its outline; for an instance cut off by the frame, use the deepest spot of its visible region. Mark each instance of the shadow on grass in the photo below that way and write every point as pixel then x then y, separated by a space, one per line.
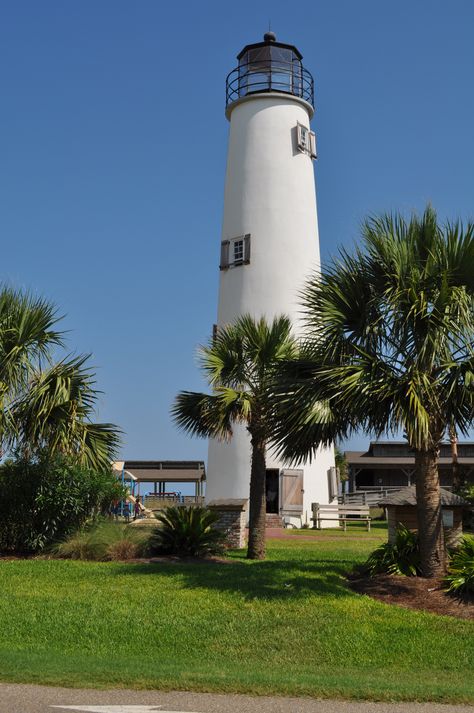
pixel 282 579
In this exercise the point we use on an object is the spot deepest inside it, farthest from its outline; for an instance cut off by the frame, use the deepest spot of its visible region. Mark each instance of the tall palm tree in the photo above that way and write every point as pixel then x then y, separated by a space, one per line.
pixel 43 404
pixel 389 348
pixel 240 364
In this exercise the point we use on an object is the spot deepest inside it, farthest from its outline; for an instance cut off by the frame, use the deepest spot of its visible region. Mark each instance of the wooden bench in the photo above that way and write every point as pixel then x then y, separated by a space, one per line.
pixel 341 514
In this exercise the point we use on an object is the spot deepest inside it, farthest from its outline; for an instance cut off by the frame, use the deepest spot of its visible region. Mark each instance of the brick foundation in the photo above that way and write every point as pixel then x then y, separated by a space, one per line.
pixel 232 520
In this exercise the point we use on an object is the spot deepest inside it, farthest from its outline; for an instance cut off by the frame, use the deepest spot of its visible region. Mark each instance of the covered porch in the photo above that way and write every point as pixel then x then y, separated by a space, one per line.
pixel 161 483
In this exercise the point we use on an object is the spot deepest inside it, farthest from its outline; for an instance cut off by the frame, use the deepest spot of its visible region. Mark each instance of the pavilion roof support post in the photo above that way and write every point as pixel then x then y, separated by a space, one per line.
pixel 354 473
pixel 409 472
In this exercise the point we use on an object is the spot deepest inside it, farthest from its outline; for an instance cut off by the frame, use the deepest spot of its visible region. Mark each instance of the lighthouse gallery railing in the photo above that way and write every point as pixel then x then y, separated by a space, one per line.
pixel 278 76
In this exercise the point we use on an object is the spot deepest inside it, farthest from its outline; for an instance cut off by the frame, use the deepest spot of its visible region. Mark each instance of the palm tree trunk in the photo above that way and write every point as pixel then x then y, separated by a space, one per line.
pixel 258 505
pixel 430 523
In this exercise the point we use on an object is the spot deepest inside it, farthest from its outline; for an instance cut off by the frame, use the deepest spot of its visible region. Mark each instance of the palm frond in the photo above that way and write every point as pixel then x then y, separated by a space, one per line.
pixel 239 363
pixel 202 415
pixel 389 338
pixel 55 413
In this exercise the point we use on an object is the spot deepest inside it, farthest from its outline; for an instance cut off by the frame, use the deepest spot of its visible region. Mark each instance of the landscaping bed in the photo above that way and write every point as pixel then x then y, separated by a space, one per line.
pixel 414 593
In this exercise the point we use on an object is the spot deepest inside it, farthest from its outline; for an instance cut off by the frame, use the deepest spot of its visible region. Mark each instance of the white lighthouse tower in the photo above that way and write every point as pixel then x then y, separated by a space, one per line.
pixel 269 245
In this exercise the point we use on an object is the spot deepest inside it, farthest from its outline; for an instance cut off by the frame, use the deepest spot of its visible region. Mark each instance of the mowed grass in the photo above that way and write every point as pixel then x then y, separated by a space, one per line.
pixel 286 626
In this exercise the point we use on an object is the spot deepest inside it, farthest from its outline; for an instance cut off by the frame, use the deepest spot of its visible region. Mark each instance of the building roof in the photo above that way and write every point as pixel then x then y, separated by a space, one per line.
pixel 363 458
pixel 164 471
pixel 398 454
pixel 407 496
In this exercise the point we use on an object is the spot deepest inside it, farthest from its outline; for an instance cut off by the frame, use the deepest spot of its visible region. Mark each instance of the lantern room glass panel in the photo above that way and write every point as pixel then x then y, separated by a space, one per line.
pixel 269 66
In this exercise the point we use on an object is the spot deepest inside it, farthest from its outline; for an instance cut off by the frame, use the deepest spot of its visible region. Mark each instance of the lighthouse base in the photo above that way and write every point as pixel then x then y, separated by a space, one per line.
pixel 290 491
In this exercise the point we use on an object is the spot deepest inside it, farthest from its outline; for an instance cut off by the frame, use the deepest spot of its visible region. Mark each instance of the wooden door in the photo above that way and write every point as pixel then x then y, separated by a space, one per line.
pixel 291 492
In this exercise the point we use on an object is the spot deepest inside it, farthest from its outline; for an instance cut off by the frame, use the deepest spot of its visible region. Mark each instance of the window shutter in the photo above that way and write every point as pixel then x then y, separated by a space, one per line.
pixel 312 144
pixel 299 133
pixel 247 248
pixel 224 264
pixel 333 483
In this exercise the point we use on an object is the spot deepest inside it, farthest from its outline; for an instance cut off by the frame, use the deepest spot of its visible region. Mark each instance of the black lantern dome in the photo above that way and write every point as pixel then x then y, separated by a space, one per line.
pixel 269 66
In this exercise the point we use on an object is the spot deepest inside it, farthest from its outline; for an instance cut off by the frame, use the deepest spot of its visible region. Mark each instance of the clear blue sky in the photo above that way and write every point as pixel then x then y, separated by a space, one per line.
pixel 112 158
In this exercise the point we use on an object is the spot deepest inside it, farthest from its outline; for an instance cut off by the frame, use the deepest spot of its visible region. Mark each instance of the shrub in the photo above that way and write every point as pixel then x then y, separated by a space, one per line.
pixel 460 577
pixel 103 541
pixel 123 550
pixel 401 557
pixel 187 532
pixel 377 513
pixel 81 545
pixel 467 492
pixel 46 499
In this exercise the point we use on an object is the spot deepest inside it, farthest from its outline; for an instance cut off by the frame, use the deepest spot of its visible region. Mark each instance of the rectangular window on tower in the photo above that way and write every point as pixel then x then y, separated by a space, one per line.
pixel 235 252
pixel 306 140
pixel 238 251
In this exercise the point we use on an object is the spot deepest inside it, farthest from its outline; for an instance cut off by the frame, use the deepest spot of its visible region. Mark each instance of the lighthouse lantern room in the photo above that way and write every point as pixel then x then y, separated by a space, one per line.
pixel 269 246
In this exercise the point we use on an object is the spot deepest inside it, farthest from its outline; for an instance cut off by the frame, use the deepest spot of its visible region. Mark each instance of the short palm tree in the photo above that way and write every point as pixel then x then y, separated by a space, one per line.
pixel 389 348
pixel 46 405
pixel 27 335
pixel 240 364
pixel 55 414
pixel 187 532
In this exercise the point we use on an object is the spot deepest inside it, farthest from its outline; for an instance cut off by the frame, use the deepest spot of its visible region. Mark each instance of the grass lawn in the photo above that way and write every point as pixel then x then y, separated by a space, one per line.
pixel 287 625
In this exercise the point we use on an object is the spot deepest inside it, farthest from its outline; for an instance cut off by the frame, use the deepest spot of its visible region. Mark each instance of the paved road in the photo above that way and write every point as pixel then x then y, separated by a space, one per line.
pixel 42 699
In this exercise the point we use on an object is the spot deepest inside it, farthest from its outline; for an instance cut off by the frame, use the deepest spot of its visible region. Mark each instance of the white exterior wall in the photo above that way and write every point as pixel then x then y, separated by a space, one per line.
pixel 269 193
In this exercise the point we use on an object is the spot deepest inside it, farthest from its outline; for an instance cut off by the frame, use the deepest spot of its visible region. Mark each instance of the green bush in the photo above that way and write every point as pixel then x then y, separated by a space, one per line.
pixel 81 545
pixel 187 532
pixel 103 541
pixel 460 577
pixel 46 499
pixel 467 492
pixel 401 557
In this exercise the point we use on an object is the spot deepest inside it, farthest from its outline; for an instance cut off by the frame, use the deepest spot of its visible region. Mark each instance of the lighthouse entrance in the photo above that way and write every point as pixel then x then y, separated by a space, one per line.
pixel 284 491
pixel 272 483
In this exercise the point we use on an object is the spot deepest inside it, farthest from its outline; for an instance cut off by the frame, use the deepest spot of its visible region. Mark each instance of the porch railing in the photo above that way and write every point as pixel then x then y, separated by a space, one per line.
pixel 159 502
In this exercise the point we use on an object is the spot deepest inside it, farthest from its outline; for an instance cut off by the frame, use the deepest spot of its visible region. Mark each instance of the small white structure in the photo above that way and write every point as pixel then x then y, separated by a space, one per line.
pixel 269 244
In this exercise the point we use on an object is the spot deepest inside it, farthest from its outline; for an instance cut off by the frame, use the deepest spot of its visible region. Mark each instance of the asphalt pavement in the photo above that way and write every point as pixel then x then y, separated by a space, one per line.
pixel 16 698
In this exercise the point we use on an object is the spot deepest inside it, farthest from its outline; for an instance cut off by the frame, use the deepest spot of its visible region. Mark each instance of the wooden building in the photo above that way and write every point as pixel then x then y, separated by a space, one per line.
pixel 390 464
pixel 401 509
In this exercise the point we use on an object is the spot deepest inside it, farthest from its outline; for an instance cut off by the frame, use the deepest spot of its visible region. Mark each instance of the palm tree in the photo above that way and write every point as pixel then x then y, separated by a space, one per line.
pixel 389 348
pixel 46 405
pixel 240 364
pixel 55 415
pixel 27 336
